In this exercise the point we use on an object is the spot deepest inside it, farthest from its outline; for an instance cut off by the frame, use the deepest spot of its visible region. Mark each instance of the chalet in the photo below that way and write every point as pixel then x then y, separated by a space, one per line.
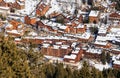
pixel 17 40
pixel 94 16
pixel 15 33
pixel 3 3
pixel 80 18
pixel 15 23
pixel 9 26
pixel 32 40
pixel 116 62
pixel 57 27
pixel 18 5
pixel 114 34
pixel 115 51
pixel 77 29
pixel 14 28
pixel 71 58
pixel 40 39
pixel 114 16
pixel 13 4
pixel 75 56
pixel 42 9
pixel 55 49
pixel 41 26
pixel 102 44
pixel 81 28
pixel 30 20
pixel 85 37
pixel 72 27
pixel 102 31
pixel 113 5
pixel 4 11
pixel 93 53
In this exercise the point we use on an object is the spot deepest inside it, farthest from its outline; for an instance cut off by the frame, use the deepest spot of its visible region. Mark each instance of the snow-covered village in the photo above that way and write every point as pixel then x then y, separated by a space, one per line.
pixel 66 31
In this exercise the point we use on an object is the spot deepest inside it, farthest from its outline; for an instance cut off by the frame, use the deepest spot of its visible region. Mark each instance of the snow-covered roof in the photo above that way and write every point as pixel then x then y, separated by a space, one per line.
pixel 14 31
pixel 64 46
pixel 75 52
pixel 17 39
pixel 101 43
pixel 45 45
pixel 56 46
pixel 50 37
pixel 101 38
pixel 116 59
pixel 72 56
pixel 74 44
pixel 10 1
pixel 20 3
pixel 96 51
pixel 8 25
pixel 33 34
pixel 94 13
pixel 80 26
pixel 102 30
pixel 116 49
pixel 116 62
pixel 58 42
pixel 85 35
pixel 4 8
pixel 115 29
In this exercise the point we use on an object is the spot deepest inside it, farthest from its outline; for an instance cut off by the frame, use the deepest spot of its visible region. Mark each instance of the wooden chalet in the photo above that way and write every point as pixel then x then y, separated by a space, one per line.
pixel 93 53
pixel 17 4
pixel 115 51
pixel 75 56
pixel 114 16
pixel 42 9
pixel 94 16
pixel 30 20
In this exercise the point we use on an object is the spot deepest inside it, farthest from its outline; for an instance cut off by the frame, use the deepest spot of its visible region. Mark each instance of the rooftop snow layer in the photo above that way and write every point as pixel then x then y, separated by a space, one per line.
pixel 94 13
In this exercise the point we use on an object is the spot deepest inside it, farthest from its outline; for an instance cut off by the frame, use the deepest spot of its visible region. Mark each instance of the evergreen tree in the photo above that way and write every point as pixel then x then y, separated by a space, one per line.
pixel 85 71
pixel 103 58
pixel 94 73
pixel 60 71
pixel 11 63
pixel 69 72
pixel 100 75
pixel 108 57
pixel 110 74
pixel 76 74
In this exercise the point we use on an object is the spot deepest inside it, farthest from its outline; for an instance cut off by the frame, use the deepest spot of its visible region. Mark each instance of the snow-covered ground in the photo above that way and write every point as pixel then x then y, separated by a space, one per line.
pixel 30 6
pixel 99 65
pixel 54 7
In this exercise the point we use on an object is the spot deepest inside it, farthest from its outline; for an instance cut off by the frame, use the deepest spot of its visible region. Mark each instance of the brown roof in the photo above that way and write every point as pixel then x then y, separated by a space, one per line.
pixel 115 15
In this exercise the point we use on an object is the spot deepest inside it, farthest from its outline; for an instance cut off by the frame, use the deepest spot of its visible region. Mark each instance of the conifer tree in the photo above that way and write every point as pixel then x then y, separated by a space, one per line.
pixel 103 58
